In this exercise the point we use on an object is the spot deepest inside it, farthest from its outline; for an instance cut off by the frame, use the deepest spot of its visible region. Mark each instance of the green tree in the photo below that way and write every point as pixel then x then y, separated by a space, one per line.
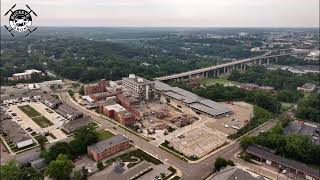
pixel 58 148
pixel 100 165
pixel 84 137
pixel 10 171
pixel 221 163
pixel 81 91
pixel 60 168
pixel 235 75
pixel 42 141
pixel 84 172
pixel 162 175
pixel 309 108
pixel 77 175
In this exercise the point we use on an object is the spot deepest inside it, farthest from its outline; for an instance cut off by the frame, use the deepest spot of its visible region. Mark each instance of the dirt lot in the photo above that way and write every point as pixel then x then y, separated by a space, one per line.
pixel 160 116
pixel 243 112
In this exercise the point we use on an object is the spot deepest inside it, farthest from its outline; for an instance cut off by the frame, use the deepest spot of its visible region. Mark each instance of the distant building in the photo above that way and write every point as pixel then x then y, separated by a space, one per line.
pixel 49 83
pixel 235 173
pixel 139 87
pixel 25 75
pixel 119 113
pixel 269 157
pixel 304 128
pixel 308 87
pixel 100 87
pixel 12 130
pixel 313 55
pixel 108 147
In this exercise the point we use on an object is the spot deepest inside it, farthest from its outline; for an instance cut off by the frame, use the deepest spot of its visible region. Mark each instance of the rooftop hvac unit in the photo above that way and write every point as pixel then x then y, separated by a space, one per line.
pixel 132 76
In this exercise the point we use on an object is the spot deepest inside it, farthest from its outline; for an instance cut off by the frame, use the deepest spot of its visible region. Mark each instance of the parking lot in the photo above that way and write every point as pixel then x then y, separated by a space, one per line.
pixel 242 113
pixel 32 121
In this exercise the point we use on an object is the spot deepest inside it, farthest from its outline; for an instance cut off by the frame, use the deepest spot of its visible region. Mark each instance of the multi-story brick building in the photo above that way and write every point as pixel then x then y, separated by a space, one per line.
pixel 129 103
pixel 100 87
pixel 119 113
pixel 108 147
pixel 139 87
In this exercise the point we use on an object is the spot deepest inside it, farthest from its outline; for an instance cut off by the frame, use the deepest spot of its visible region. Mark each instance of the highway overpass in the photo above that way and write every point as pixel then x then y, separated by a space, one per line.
pixel 217 70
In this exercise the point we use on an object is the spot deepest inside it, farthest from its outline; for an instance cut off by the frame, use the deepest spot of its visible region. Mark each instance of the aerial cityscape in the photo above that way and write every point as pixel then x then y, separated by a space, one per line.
pixel 160 90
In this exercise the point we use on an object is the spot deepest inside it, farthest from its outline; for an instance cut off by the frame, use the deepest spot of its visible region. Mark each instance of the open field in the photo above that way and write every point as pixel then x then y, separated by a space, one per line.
pixel 42 121
pixel 213 81
pixel 28 110
pixel 105 134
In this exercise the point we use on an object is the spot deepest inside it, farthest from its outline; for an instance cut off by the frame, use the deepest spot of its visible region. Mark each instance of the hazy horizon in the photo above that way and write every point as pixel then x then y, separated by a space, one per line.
pixel 171 13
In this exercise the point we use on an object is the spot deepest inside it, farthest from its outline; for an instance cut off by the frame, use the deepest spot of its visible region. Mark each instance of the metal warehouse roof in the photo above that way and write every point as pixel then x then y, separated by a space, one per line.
pixel 194 101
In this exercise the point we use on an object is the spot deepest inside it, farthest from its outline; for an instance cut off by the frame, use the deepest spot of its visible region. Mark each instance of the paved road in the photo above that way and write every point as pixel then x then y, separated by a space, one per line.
pixel 190 171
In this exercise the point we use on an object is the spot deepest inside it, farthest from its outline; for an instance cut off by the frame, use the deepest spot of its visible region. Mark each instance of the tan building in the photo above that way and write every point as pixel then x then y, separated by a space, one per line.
pixel 108 147
pixel 139 87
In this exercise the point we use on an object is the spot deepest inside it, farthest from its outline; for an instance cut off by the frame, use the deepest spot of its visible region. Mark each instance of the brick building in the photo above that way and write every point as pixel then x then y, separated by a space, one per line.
pixel 108 147
pixel 129 103
pixel 119 113
pixel 100 87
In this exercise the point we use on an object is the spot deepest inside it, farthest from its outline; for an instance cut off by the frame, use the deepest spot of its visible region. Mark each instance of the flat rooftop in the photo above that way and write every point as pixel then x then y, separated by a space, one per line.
pixel 116 108
pixel 137 80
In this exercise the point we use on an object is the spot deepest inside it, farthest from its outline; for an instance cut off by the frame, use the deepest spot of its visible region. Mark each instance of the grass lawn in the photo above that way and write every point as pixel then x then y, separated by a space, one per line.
pixel 105 134
pixel 28 110
pixel 38 137
pixel 42 121
pixel 213 81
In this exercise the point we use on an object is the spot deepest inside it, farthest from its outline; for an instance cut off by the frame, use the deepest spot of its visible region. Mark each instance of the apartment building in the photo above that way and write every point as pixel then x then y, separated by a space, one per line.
pixel 108 147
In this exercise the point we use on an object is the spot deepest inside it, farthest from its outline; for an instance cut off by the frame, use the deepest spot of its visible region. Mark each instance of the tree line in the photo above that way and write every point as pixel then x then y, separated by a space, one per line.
pixel 295 146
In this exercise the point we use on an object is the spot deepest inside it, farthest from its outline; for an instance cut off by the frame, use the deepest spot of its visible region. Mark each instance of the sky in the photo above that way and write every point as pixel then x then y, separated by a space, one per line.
pixel 170 13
